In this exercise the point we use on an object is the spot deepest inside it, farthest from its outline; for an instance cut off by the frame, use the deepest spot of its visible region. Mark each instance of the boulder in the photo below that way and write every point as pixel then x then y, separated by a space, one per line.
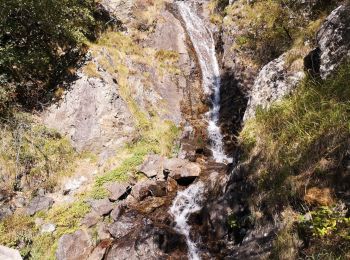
pixel 116 190
pixel 102 231
pixel 39 203
pixel 149 242
pixel 274 82
pixel 100 250
pixel 74 246
pixel 334 40
pixel 7 253
pixel 152 166
pixel 147 188
pixel 102 207
pixel 179 168
pixel 124 225
pixel 90 219
pixel 117 211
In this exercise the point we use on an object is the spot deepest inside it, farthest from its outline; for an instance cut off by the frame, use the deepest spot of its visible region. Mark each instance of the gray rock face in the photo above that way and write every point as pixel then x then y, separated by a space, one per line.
pixel 7 253
pixel 180 168
pixel 116 190
pixel 119 9
pixel 334 40
pixel 274 81
pixel 39 203
pixel 102 207
pixel 74 246
pixel 93 115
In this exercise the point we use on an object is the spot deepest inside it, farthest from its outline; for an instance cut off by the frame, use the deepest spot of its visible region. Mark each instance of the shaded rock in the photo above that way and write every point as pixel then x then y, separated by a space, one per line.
pixel 74 246
pixel 117 211
pixel 102 207
pixel 39 203
pixel 90 219
pixel 48 228
pixel 73 184
pixel 153 166
pixel 334 40
pixel 116 190
pixel 274 82
pixel 124 225
pixel 7 253
pixel 179 168
pixel 149 242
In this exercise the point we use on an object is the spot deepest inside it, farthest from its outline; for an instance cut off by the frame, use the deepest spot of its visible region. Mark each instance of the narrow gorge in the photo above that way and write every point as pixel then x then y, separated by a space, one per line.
pixel 174 129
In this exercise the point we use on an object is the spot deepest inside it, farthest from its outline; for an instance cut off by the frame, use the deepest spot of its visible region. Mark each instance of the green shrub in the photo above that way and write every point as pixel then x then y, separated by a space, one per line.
pixel 40 39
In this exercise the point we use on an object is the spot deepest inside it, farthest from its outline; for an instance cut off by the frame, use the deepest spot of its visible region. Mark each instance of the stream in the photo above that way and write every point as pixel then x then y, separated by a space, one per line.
pixel 189 200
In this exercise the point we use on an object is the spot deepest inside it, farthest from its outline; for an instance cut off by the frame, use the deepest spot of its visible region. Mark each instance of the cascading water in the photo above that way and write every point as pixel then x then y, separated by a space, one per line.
pixel 186 203
pixel 204 45
pixel 189 201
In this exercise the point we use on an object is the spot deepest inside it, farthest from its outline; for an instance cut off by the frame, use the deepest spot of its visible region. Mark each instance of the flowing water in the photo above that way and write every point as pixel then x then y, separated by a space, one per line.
pixel 204 45
pixel 189 201
pixel 186 203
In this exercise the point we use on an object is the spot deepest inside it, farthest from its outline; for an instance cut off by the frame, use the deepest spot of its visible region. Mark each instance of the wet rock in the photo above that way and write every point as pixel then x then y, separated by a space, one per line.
pixel 39 203
pixel 90 219
pixel 334 40
pixel 149 204
pixel 179 168
pixel 124 225
pixel 102 207
pixel 274 82
pixel 74 184
pixel 153 166
pixel 48 228
pixel 171 185
pixel 117 211
pixel 74 246
pixel 149 242
pixel 116 190
pixel 7 253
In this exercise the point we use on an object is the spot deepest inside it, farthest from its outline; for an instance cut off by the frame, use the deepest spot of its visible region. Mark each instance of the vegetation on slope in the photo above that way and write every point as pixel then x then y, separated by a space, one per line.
pixel 298 153
pixel 40 41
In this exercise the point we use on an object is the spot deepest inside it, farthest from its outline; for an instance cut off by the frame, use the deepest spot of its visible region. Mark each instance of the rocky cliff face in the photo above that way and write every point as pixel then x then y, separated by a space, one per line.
pixel 141 85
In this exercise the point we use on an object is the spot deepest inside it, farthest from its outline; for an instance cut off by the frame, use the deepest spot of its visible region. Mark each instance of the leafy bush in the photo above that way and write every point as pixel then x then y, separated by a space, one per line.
pixel 40 39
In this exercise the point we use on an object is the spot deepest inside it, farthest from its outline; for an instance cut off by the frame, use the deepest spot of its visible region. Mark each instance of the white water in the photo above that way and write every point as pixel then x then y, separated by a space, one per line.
pixel 186 203
pixel 204 45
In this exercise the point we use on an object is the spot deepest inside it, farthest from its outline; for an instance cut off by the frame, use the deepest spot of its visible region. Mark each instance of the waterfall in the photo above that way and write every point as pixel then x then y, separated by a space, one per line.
pixel 186 203
pixel 204 45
